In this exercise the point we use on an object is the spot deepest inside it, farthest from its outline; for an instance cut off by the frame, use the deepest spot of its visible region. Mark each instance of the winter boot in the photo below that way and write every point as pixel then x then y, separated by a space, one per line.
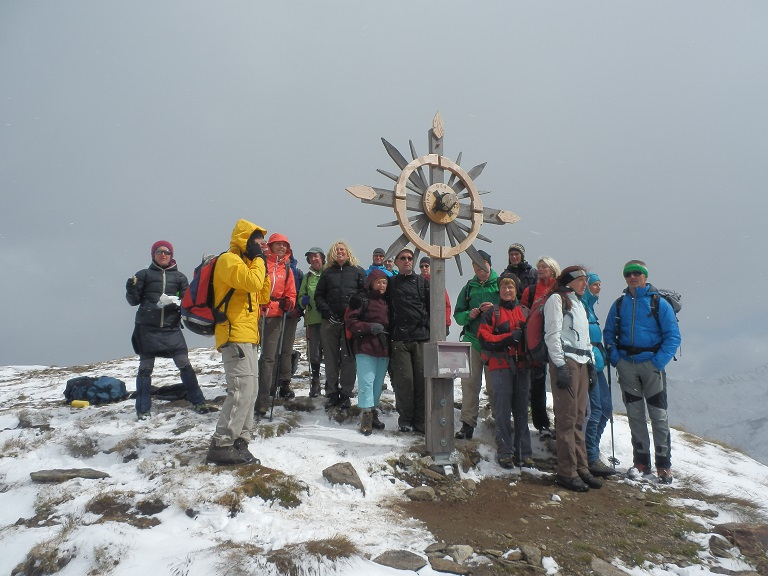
pixel 242 446
pixel 598 468
pixel 285 390
pixel 466 432
pixel 590 480
pixel 227 455
pixel 143 398
pixel 314 387
pixel 377 424
pixel 344 402
pixel 366 423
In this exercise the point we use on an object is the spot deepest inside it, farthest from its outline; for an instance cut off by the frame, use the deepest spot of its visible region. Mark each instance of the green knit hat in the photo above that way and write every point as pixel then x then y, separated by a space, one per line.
pixel 635 267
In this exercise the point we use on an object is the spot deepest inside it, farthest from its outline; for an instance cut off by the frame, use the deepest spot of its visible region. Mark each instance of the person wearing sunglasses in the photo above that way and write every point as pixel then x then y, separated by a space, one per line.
pixel 408 295
pixel 640 346
pixel 157 291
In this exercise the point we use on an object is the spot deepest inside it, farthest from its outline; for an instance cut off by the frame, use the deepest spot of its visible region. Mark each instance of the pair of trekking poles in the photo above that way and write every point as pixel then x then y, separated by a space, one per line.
pixel 276 377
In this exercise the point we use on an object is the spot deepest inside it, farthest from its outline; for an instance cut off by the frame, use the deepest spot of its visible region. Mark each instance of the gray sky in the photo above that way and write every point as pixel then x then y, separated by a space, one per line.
pixel 616 130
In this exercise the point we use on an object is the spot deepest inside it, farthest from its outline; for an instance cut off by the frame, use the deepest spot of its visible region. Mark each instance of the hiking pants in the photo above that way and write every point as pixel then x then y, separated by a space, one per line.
pixel 600 412
pixel 407 358
pixel 470 389
pixel 370 377
pixel 510 395
pixel 570 419
pixel 643 385
pixel 268 361
pixel 339 363
pixel 286 357
pixel 315 347
pixel 144 381
pixel 241 372
pixel 539 414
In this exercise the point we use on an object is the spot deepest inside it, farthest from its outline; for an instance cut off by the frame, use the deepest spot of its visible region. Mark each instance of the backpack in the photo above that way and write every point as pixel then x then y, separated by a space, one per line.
pixel 96 390
pixel 197 305
pixel 534 331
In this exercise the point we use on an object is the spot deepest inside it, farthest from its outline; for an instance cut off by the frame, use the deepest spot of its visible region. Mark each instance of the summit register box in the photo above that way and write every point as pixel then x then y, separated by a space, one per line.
pixel 447 359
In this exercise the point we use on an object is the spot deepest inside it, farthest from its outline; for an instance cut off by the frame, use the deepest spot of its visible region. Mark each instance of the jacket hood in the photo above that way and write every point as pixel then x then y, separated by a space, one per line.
pixel 589 299
pixel 242 231
pixel 491 279
pixel 277 237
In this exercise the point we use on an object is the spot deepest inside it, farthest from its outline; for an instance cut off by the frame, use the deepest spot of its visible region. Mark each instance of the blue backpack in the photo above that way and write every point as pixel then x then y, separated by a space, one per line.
pixel 95 389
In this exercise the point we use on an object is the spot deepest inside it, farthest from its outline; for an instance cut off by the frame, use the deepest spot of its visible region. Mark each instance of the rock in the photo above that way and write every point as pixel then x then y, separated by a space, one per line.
pixel 59 475
pixel 151 507
pixel 401 560
pixel 515 555
pixel 435 547
pixel 752 539
pixel 469 484
pixel 460 552
pixel 601 568
pixel 343 473
pixel 421 493
pixel 442 565
pixel 531 554
pixel 429 473
pixel 720 547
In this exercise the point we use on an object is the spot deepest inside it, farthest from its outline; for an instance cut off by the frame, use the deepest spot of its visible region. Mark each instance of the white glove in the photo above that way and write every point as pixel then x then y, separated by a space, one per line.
pixel 166 300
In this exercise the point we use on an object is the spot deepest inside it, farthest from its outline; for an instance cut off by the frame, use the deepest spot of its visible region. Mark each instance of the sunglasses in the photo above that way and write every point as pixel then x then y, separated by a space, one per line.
pixel 633 273
pixel 162 253
pixel 405 258
pixel 423 265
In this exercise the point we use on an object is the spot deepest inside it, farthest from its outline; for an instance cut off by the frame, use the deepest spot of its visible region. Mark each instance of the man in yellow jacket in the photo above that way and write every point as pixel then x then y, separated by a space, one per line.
pixel 243 271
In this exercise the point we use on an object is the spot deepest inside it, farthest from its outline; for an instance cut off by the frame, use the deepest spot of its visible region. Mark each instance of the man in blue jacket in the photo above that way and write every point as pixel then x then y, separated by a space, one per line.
pixel 641 336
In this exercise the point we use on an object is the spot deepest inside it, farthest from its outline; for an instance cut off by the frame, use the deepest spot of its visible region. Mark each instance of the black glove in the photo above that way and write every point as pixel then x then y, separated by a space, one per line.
pixel 377 328
pixel 355 301
pixel 286 304
pixel 447 330
pixel 592 373
pixel 517 336
pixel 334 320
pixel 253 247
pixel 501 328
pixel 563 377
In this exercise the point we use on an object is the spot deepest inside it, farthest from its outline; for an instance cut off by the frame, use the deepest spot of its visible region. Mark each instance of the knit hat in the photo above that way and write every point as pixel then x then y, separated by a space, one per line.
pixel 374 275
pixel 635 266
pixel 157 245
pixel 485 256
pixel 510 276
pixel 592 278
pixel 424 260
pixel 379 252
pixel 517 247
pixel 315 250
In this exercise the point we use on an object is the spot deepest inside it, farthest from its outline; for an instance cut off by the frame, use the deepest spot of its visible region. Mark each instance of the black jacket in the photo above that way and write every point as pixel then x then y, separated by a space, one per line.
pixel 409 307
pixel 158 330
pixel 334 288
pixel 527 274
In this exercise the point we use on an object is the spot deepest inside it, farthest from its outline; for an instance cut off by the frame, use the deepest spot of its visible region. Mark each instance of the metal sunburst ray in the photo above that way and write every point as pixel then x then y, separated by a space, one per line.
pixel 394 178
pixel 420 170
pixel 400 160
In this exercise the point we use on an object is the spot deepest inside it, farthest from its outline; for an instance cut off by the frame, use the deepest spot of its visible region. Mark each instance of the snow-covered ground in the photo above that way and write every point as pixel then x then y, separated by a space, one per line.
pixel 38 431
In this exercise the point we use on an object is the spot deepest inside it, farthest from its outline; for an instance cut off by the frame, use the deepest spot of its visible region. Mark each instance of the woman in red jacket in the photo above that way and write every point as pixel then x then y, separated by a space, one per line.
pixel 501 339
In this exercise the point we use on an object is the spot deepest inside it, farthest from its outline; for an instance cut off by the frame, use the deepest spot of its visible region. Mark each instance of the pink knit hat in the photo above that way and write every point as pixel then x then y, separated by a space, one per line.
pixel 157 245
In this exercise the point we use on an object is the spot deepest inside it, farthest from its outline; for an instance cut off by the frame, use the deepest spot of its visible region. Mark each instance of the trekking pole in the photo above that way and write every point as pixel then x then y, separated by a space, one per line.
pixel 613 460
pixel 277 362
pixel 262 324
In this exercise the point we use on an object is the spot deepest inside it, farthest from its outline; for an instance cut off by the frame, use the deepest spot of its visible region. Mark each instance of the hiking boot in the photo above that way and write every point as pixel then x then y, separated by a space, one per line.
pixel 665 475
pixel 344 402
pixel 227 455
pixel 314 387
pixel 143 416
pixel 591 481
pixel 599 469
pixel 576 484
pixel 286 392
pixel 506 462
pixel 366 423
pixel 404 427
pixel 545 433
pixel 202 408
pixel 638 471
pixel 377 424
pixel 333 400
pixel 241 445
pixel 466 432
pixel 526 463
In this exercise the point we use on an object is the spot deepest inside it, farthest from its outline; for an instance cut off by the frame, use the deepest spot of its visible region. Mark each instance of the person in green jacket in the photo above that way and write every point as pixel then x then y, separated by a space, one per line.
pixel 312 317
pixel 480 294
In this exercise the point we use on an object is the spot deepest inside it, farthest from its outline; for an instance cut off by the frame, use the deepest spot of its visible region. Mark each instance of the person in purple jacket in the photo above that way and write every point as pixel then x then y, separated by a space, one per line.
pixel 367 320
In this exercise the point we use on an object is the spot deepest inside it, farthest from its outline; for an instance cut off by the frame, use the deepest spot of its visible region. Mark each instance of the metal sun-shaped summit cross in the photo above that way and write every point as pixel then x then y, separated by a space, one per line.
pixel 439 206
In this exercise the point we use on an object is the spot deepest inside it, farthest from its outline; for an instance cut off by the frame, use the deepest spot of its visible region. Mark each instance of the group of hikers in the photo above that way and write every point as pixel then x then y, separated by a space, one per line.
pixel 365 323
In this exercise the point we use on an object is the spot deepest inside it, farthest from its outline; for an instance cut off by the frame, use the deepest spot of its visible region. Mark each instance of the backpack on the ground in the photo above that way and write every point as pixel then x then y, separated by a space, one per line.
pixel 199 311
pixel 534 331
pixel 95 389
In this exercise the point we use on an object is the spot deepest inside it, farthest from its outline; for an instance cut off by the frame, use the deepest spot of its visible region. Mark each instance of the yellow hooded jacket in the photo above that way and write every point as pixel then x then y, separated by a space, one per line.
pixel 251 284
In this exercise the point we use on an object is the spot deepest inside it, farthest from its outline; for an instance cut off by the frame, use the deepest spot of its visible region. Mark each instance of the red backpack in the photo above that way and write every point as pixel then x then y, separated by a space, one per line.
pixel 197 305
pixel 534 331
